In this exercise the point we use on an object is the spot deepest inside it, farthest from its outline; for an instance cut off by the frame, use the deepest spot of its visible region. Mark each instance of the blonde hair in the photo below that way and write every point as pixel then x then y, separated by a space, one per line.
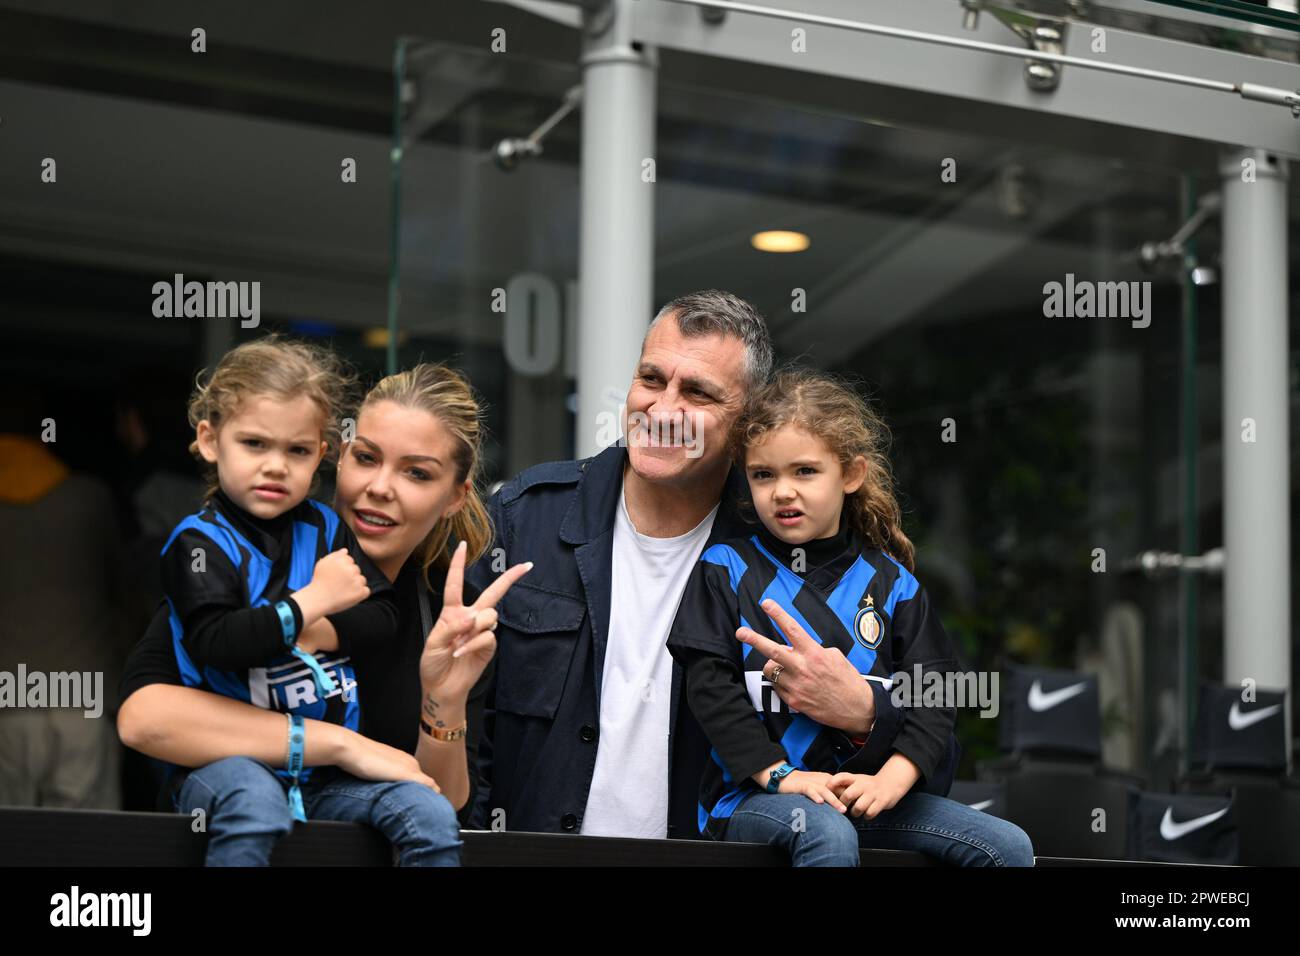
pixel 446 395
pixel 831 410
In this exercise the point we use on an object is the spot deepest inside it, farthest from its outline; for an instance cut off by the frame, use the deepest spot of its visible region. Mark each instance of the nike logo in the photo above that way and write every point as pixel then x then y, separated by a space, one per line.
pixel 982 805
pixel 1174 831
pixel 1239 721
pixel 1040 701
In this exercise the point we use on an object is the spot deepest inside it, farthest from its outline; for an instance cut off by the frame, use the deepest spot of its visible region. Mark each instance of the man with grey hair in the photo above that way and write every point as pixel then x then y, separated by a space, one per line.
pixel 585 727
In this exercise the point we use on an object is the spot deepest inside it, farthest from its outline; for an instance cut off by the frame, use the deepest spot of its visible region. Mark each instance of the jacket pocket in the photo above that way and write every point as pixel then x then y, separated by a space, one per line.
pixel 536 636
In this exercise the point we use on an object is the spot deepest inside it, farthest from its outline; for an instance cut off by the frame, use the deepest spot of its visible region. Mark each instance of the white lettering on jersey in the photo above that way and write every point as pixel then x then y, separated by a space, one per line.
pixel 292 685
pixel 299 692
pixel 764 696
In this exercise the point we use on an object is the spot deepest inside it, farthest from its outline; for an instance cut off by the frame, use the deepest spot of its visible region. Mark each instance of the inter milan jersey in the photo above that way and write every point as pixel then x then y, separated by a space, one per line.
pixel 845 594
pixel 223 570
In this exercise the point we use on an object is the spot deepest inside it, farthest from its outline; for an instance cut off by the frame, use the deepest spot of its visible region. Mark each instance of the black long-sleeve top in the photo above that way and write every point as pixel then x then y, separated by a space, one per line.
pixel 223 570
pixel 846 595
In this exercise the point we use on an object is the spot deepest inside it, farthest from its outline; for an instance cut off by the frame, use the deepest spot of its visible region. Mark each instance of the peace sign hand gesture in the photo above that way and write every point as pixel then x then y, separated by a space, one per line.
pixel 461 643
pixel 816 681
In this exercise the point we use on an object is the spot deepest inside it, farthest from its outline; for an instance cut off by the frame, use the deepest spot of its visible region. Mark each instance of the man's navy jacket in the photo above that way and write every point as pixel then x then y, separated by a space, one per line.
pixel 536 751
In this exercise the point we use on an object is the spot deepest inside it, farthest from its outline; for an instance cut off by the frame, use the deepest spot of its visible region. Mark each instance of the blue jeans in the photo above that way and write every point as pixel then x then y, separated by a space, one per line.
pixel 935 826
pixel 247 810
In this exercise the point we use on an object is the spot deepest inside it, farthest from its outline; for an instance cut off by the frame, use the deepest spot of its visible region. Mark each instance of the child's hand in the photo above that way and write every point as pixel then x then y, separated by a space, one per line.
pixel 815 786
pixel 865 794
pixel 338 583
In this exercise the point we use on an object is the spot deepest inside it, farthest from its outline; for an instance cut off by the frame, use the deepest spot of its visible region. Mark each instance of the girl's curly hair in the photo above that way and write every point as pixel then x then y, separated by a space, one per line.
pixel 832 410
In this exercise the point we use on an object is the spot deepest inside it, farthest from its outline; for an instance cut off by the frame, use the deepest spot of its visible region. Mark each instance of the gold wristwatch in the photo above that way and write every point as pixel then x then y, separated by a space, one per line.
pixel 442 734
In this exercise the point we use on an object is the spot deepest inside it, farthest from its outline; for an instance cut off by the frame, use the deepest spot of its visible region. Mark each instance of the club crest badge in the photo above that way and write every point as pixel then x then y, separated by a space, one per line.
pixel 868 627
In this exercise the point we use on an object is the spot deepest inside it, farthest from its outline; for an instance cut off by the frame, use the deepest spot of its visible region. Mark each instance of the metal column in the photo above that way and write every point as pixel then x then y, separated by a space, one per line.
pixel 1257 593
pixel 616 246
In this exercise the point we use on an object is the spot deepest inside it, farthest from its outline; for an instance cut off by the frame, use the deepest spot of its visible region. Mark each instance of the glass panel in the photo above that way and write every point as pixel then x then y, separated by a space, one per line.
pixel 471 230
pixel 1026 444
pixel 1022 442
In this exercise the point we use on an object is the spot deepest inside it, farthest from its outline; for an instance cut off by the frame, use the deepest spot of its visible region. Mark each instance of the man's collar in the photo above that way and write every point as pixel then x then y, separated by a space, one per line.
pixel 595 505
pixel 592 512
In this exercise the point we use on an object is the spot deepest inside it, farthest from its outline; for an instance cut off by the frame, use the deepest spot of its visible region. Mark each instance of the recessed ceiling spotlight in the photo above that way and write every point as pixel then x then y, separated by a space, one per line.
pixel 779 240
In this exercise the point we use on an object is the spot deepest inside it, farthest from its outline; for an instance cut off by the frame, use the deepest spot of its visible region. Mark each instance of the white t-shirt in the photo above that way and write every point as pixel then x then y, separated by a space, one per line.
pixel 629 789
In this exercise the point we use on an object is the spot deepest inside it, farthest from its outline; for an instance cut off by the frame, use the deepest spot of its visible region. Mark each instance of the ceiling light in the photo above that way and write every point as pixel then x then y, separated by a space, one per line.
pixel 779 240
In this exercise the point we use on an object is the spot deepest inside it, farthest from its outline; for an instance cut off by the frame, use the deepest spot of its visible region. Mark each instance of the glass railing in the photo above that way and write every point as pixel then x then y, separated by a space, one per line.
pixel 473 234
pixel 1071 429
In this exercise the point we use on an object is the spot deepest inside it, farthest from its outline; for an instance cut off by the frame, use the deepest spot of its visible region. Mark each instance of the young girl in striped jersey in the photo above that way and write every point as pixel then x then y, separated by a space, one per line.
pixel 828 566
pixel 272 599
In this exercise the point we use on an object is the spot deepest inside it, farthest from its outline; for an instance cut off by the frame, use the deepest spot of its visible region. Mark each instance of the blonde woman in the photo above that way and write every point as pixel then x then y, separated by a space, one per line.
pixel 406 489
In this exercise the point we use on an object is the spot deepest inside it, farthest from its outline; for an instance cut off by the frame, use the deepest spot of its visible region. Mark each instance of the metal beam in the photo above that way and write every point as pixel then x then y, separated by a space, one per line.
pixel 1044 54
pixel 895 106
pixel 972 74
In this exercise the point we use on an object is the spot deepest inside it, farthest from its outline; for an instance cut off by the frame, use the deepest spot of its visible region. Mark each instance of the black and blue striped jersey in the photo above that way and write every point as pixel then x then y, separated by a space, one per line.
pixel 846 595
pixel 223 570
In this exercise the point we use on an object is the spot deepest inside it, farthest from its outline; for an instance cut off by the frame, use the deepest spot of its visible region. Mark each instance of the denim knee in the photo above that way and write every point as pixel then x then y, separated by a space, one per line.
pixel 429 813
pixel 235 782
pixel 1011 842
pixel 830 838
pixel 248 808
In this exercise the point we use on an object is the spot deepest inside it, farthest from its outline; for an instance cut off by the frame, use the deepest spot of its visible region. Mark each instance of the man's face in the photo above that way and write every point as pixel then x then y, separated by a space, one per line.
pixel 685 396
